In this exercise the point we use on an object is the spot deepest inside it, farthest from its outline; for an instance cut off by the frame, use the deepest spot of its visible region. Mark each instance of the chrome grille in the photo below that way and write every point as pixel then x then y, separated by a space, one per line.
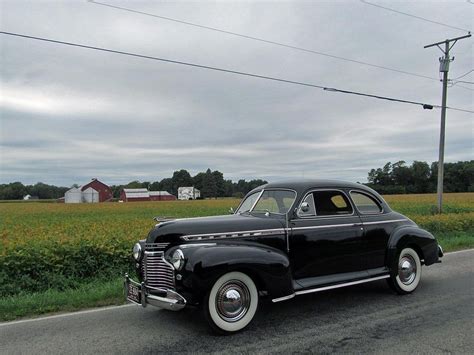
pixel 157 272
pixel 156 246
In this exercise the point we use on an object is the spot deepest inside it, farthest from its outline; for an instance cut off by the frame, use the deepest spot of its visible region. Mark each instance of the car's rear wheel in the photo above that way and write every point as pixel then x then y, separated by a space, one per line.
pixel 406 273
pixel 231 303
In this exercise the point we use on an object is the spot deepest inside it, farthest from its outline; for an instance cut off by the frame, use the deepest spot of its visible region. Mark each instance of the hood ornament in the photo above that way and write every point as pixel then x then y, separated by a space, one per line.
pixel 161 219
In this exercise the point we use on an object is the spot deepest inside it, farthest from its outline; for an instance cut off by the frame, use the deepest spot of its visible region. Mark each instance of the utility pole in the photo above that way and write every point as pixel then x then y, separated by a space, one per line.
pixel 444 68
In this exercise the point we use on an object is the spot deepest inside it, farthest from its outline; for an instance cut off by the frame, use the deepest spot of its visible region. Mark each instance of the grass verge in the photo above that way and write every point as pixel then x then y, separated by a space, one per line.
pixel 109 292
pixel 94 294
pixel 453 241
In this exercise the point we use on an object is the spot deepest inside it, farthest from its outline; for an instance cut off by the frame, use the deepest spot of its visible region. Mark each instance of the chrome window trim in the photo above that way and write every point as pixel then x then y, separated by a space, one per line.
pixel 244 198
pixel 299 208
pixel 256 201
pixel 370 196
pixel 326 216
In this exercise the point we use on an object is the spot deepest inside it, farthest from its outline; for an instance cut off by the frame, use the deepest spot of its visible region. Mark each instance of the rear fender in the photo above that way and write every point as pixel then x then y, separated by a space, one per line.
pixel 419 239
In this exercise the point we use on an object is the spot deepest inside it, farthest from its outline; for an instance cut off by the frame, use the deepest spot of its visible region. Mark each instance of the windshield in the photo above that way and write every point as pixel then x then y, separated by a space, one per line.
pixel 272 201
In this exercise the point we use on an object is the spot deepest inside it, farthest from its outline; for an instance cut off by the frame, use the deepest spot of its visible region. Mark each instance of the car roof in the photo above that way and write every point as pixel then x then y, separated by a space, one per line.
pixel 302 185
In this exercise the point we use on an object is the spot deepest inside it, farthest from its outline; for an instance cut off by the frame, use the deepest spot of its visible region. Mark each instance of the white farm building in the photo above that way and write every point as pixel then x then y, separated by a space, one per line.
pixel 188 193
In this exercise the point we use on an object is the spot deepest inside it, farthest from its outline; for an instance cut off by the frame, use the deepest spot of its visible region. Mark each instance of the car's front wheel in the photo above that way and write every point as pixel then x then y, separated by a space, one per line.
pixel 231 303
pixel 406 273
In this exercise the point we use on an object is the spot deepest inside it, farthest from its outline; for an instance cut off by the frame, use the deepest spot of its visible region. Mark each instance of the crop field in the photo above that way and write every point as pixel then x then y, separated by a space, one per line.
pixel 52 247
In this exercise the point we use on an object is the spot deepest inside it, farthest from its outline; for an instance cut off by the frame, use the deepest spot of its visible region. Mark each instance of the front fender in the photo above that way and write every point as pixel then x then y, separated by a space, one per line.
pixel 421 240
pixel 267 266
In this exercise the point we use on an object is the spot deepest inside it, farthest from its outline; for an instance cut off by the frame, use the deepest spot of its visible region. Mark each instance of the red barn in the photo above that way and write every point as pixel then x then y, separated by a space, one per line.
pixel 105 193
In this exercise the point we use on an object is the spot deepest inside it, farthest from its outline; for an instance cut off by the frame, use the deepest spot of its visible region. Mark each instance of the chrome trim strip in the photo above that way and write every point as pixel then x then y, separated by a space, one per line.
pixel 387 221
pixel 266 232
pixel 284 298
pixel 195 245
pixel 341 285
pixel 235 234
pixel 327 226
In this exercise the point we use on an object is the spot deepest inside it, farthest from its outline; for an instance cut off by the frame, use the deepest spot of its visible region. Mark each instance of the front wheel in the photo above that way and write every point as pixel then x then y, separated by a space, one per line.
pixel 406 275
pixel 231 303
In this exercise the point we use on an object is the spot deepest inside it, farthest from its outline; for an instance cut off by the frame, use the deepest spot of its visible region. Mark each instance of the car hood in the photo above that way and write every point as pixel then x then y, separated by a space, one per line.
pixel 171 231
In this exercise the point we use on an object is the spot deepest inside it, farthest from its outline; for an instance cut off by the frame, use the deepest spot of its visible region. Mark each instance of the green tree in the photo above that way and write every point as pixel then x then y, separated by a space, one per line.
pixel 209 186
pixel 180 178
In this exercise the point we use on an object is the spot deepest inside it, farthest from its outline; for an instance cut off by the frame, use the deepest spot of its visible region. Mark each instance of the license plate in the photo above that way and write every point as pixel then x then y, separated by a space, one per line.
pixel 133 293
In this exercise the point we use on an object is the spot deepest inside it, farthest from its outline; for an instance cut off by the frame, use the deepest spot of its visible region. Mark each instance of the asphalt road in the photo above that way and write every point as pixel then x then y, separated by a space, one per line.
pixel 369 318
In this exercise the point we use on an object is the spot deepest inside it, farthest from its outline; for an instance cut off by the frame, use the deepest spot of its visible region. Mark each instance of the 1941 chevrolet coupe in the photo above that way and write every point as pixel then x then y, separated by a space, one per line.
pixel 285 239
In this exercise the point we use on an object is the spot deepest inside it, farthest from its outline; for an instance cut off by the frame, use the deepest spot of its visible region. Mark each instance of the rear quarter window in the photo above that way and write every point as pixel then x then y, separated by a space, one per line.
pixel 365 203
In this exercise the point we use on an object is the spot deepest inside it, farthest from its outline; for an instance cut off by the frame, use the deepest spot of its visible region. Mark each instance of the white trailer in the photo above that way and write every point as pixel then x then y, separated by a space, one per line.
pixel 188 193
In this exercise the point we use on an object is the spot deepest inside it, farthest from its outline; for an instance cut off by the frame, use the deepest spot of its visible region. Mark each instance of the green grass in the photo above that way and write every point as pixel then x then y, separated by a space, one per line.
pixel 54 253
pixel 456 240
pixel 94 294
pixel 110 292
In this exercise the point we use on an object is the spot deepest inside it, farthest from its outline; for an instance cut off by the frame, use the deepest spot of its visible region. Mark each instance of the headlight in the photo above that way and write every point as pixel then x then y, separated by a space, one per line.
pixel 177 259
pixel 137 251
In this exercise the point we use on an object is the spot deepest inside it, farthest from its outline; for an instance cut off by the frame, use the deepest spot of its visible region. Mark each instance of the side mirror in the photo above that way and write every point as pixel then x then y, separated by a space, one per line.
pixel 304 207
pixel 231 211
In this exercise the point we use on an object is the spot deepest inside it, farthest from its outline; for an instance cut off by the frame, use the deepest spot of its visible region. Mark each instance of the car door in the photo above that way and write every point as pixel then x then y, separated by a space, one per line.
pixel 378 227
pixel 325 237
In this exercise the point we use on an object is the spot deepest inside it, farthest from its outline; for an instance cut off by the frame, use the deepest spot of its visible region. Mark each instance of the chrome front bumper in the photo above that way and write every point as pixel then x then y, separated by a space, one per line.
pixel 158 297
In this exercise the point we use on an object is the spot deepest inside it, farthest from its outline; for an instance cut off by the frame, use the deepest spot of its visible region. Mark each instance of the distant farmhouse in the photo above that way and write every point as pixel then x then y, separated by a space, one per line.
pixel 29 197
pixel 188 193
pixel 93 192
pixel 136 195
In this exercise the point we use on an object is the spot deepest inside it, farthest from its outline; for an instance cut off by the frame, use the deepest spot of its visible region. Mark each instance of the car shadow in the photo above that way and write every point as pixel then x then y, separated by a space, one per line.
pixel 274 319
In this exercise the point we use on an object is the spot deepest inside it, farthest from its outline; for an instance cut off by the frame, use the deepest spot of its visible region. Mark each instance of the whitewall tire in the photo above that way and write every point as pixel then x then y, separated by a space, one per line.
pixel 407 272
pixel 232 302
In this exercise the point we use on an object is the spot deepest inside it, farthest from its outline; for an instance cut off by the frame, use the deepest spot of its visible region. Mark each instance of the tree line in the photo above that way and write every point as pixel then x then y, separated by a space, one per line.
pixel 420 177
pixel 211 184
pixel 16 191
pixel 396 178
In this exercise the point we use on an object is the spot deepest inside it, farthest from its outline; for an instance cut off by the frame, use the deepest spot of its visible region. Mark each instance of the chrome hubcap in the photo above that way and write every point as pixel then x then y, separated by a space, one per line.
pixel 407 269
pixel 232 300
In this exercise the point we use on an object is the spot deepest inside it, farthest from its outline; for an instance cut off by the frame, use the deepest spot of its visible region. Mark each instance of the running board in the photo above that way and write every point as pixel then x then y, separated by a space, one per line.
pixel 325 288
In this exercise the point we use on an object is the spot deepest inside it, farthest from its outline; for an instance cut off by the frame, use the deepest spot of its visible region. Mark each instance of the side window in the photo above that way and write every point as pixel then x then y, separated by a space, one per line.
pixel 330 203
pixel 365 204
pixel 312 211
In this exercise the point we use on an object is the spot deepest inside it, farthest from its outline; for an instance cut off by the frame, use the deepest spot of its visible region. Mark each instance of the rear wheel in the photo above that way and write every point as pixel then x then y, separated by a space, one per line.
pixel 406 274
pixel 231 303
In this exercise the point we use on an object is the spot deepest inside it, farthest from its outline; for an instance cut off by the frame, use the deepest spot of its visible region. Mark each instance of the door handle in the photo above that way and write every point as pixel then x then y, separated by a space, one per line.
pixel 357 224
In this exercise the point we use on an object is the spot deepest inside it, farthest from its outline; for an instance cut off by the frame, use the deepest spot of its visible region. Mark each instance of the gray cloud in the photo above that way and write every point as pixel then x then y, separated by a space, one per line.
pixel 69 114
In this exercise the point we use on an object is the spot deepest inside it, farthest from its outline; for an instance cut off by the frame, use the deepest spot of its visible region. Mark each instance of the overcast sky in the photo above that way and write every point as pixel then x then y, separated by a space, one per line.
pixel 70 114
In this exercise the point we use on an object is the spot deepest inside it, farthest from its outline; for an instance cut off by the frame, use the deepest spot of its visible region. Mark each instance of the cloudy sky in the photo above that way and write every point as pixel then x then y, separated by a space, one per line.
pixel 69 114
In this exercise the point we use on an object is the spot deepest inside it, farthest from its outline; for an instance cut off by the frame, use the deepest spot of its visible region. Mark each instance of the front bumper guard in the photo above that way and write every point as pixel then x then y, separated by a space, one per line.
pixel 158 297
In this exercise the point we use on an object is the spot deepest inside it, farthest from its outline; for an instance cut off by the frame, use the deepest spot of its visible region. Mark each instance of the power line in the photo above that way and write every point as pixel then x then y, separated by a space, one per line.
pixel 464 82
pixel 230 71
pixel 265 41
pixel 414 16
pixel 462 76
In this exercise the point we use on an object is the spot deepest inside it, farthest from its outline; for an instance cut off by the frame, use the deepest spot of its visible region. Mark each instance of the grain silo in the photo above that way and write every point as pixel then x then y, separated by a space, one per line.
pixel 73 195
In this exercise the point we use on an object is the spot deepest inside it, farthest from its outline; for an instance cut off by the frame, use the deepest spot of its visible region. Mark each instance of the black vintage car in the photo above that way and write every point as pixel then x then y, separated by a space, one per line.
pixel 285 239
